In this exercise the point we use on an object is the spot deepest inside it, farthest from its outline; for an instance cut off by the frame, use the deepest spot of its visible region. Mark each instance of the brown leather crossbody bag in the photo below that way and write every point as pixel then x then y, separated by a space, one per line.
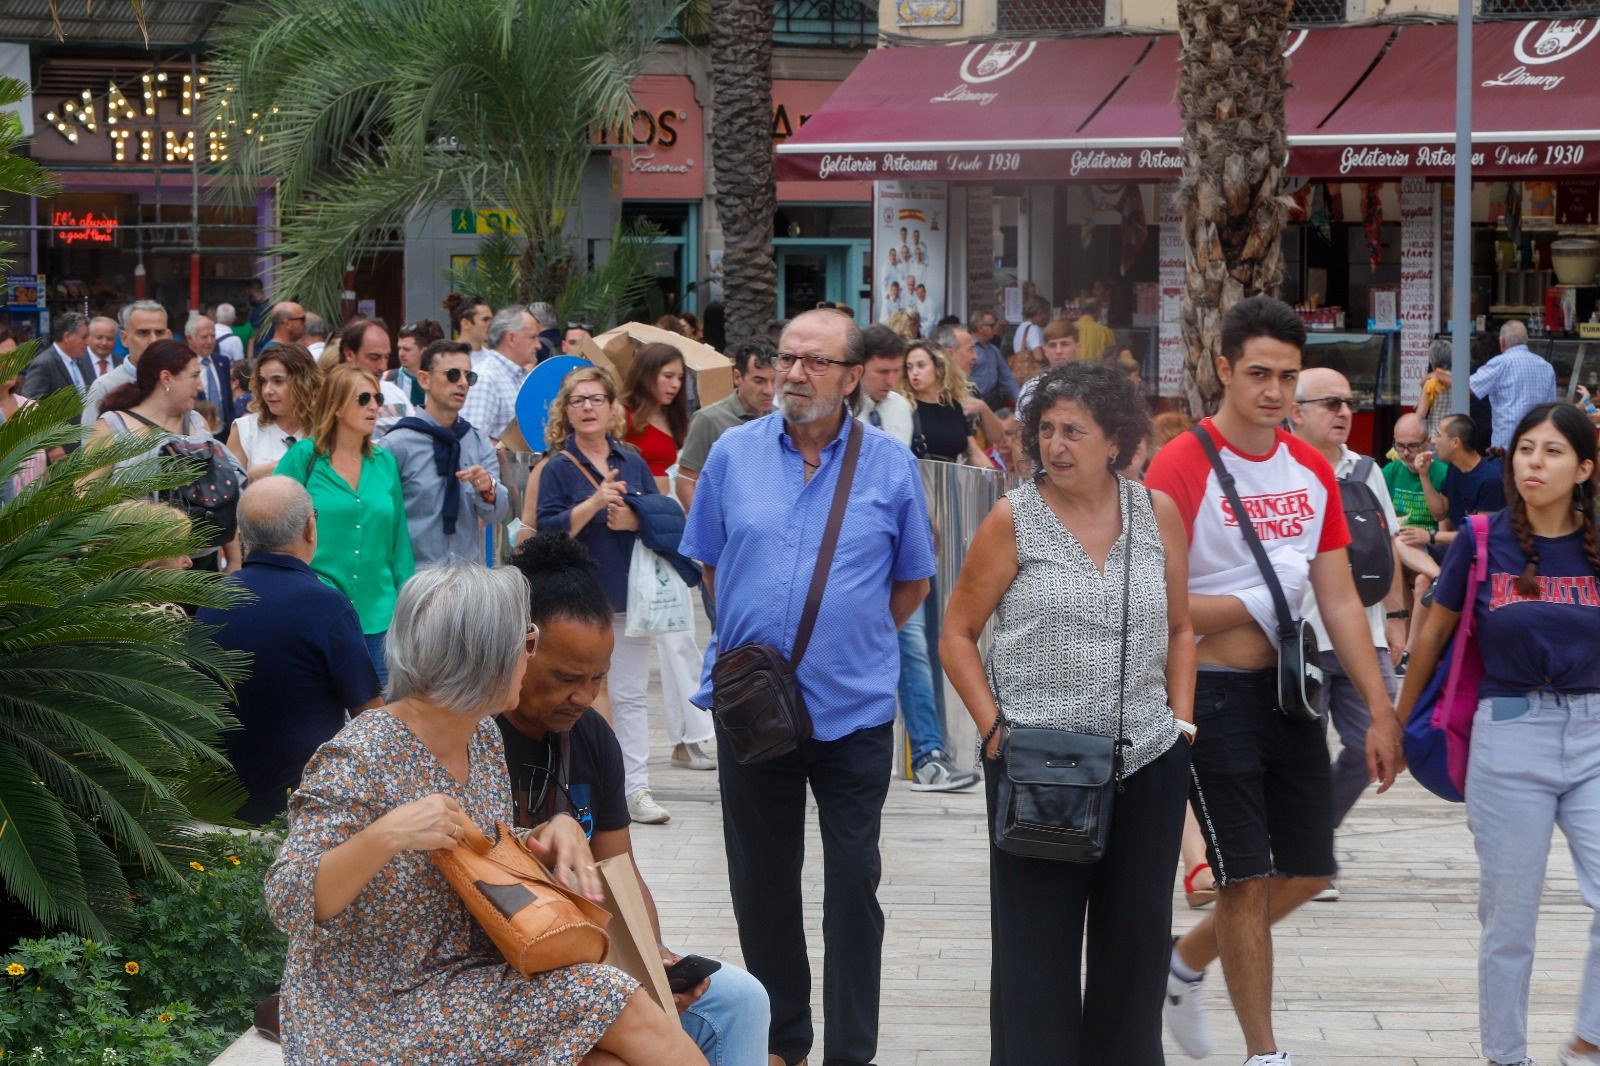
pixel 755 688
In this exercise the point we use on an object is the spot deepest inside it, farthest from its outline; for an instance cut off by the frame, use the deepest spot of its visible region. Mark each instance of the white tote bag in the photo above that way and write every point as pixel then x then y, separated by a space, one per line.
pixel 658 600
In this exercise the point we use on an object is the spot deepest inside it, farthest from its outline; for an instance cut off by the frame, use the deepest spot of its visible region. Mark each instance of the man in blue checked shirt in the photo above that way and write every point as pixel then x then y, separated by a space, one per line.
pixel 760 508
pixel 1514 382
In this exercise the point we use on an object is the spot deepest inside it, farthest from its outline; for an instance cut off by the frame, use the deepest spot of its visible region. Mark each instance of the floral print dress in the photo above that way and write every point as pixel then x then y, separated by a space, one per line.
pixel 404 974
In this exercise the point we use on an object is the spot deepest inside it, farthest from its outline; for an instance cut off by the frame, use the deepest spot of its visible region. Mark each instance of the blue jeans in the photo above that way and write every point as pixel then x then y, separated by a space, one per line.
pixel 375 653
pixel 924 728
pixel 729 1023
pixel 1535 764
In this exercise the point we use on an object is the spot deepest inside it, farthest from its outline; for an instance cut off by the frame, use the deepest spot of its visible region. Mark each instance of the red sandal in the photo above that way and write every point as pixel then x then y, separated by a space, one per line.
pixel 1198 898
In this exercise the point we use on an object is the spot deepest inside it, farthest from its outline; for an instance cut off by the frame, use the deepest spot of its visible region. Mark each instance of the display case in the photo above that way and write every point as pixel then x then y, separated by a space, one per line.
pixel 1370 361
pixel 1576 362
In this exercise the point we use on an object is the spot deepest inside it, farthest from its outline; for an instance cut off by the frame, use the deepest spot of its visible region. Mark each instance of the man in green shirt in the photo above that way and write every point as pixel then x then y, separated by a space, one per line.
pixel 755 382
pixel 1405 485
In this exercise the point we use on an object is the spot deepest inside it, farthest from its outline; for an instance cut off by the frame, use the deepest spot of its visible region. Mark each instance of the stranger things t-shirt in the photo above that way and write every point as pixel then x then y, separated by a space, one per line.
pixel 1542 642
pixel 1286 493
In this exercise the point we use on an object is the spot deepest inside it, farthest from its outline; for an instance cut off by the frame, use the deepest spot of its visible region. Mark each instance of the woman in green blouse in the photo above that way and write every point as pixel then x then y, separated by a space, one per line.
pixel 363 546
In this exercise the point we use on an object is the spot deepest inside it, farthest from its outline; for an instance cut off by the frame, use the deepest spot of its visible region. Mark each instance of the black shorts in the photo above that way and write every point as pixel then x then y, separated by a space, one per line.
pixel 1261 787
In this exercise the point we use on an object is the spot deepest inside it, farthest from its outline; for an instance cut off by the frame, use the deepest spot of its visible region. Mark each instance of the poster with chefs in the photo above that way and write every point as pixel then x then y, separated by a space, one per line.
pixel 912 220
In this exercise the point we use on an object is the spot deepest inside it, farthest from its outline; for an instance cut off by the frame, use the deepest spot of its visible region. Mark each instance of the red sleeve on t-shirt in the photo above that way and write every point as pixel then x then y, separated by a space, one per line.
pixel 1181 469
pixel 1335 531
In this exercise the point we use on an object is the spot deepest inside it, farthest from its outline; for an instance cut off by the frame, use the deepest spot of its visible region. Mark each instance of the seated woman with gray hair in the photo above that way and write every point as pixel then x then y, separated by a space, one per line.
pixel 385 964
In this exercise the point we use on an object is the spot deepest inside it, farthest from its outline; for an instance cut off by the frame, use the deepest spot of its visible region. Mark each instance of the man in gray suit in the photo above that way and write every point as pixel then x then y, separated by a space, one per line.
pixel 65 364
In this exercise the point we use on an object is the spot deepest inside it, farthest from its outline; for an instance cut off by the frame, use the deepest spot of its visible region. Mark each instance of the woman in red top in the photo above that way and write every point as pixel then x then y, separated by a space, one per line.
pixel 657 407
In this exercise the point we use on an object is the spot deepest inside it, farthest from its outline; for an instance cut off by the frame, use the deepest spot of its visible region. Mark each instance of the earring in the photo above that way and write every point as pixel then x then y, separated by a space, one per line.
pixel 1111 462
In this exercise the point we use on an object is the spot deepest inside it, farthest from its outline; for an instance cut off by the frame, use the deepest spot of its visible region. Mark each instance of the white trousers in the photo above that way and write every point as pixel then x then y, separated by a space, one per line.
pixel 630 681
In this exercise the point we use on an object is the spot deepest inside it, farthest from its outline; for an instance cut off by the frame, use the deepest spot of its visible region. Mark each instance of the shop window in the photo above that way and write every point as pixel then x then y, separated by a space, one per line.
pixel 1539 7
pixel 835 23
pixel 1318 13
pixel 1051 16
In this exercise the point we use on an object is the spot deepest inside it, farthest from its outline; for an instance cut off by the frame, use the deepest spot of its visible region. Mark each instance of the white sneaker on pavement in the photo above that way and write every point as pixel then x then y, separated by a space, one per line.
pixel 692 756
pixel 643 808
pixel 1327 895
pixel 1185 1012
pixel 1273 1058
pixel 936 773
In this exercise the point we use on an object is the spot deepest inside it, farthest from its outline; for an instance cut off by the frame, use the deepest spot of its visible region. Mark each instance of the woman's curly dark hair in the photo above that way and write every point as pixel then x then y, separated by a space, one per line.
pixel 1105 392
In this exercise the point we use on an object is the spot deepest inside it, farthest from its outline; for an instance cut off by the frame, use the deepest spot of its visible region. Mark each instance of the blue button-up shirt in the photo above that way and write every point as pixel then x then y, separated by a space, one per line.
pixel 1514 382
pixel 562 486
pixel 760 523
pixel 990 370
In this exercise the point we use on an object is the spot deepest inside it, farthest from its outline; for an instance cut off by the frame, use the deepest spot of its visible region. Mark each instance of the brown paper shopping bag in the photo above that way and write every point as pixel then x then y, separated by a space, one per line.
pixel 633 942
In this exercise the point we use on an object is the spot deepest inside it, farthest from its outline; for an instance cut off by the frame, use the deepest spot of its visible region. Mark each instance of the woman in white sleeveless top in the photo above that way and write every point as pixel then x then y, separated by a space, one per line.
pixel 284 384
pixel 1049 565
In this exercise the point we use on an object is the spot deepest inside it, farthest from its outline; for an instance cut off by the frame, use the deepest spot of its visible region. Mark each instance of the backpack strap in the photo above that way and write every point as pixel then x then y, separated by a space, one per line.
pixel 1363 469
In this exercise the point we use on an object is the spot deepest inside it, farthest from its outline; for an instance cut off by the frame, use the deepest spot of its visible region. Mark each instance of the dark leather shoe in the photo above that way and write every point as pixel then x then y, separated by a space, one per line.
pixel 267 1018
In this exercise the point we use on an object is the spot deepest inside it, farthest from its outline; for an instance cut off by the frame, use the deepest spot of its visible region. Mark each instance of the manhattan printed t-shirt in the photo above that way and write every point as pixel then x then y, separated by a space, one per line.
pixel 1286 493
pixel 1543 642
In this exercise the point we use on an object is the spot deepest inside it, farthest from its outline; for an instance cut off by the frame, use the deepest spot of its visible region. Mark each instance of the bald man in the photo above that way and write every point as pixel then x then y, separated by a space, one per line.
pixel 311 663
pixel 1322 411
pixel 288 325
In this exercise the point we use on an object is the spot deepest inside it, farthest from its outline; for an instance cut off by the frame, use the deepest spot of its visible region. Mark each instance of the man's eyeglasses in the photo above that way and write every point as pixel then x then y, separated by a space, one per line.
pixel 1410 446
pixel 536 801
pixel 1331 404
pixel 531 642
pixel 816 365
pixel 587 401
pixel 453 375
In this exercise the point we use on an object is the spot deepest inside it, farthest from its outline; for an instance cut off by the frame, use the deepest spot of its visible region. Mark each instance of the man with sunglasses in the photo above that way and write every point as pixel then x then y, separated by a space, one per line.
pixel 1321 414
pixel 564 760
pixel 448 470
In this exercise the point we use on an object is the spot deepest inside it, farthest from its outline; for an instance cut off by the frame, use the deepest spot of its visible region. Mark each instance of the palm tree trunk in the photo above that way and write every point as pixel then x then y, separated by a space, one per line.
pixel 1231 97
pixel 741 133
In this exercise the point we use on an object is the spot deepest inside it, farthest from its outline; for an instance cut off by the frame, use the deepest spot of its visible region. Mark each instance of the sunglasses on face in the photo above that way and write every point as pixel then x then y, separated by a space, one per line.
pixel 363 399
pixel 453 375
pixel 1331 404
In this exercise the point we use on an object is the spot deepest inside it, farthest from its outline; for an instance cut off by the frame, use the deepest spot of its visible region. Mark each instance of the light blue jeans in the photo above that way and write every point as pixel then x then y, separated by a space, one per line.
pixel 1535 764
pixel 375 646
pixel 729 1023
pixel 917 705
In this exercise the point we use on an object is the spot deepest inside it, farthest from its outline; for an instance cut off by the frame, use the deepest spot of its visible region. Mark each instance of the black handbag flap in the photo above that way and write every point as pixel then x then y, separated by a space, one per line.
pixel 1035 756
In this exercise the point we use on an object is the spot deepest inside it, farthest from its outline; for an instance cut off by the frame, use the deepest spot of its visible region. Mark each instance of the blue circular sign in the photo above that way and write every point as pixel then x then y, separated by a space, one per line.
pixel 539 391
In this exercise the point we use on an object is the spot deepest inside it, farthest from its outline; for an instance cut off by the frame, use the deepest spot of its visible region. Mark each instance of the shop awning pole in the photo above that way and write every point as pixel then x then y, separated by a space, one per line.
pixel 1461 250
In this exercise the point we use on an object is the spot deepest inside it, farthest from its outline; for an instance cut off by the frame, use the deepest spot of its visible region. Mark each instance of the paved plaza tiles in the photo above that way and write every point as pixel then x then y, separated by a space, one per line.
pixel 1384 977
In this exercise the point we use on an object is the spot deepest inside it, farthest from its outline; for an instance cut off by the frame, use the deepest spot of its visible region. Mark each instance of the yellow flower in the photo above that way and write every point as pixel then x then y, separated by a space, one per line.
pixel 197 866
pixel 131 968
pixel 234 859
pixel 163 1017
pixel 16 969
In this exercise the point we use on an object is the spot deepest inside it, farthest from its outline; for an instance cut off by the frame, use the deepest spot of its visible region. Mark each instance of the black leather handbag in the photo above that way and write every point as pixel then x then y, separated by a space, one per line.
pixel 1057 786
pixel 755 690
pixel 1299 661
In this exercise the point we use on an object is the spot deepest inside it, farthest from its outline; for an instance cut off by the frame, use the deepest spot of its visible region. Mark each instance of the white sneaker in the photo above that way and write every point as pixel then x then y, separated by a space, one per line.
pixel 1275 1058
pixel 693 757
pixel 643 808
pixel 1185 1012
pixel 1327 895
pixel 1568 1057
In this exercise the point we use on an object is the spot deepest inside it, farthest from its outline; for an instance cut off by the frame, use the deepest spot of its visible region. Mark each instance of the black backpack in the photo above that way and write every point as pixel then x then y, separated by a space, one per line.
pixel 1371 551
pixel 212 498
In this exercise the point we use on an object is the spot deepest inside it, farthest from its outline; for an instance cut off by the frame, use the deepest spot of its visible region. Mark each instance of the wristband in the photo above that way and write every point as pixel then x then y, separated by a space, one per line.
pixel 1398 614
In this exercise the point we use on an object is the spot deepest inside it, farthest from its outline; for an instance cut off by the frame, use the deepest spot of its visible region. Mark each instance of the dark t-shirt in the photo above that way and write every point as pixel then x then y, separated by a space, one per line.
pixel 944 429
pixel 1548 642
pixel 1480 490
pixel 590 768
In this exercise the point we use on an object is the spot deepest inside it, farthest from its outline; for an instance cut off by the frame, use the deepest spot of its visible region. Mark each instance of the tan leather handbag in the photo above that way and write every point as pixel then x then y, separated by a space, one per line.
pixel 536 923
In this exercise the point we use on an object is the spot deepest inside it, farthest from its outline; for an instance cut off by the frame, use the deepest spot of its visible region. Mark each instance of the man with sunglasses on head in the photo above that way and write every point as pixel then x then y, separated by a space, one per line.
pixel 448 470
pixel 565 761
pixel 572 340
pixel 1321 414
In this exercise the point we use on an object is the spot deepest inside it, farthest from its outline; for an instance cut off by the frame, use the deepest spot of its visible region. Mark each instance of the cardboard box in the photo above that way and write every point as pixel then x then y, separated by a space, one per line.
pixel 613 349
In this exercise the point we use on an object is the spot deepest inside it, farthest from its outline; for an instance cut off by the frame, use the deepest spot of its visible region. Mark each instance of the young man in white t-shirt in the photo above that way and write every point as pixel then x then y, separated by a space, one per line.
pixel 1262 783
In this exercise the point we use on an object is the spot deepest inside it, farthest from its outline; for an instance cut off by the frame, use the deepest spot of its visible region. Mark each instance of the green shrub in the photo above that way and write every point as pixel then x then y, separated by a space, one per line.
pixel 177 989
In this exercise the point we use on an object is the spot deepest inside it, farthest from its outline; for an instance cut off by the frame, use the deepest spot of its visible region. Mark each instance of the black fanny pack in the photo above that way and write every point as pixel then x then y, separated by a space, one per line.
pixel 755 689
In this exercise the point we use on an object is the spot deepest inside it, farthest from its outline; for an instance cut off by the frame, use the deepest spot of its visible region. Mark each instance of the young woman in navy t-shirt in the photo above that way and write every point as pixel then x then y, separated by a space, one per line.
pixel 1535 759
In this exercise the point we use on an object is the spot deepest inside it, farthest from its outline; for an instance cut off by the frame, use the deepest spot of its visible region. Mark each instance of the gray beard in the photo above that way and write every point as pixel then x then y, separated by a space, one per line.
pixel 803 410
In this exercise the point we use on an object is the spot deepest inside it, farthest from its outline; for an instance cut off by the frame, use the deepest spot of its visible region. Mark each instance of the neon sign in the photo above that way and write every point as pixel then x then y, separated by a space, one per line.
pixel 88 228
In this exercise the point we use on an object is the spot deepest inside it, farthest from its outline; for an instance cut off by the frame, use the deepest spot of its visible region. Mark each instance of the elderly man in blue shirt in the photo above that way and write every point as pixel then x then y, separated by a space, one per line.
pixel 309 662
pixel 448 470
pixel 760 509
pixel 1514 382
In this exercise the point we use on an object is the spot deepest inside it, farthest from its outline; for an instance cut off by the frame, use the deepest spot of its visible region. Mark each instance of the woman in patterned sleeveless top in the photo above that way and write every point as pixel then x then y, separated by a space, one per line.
pixel 1048 566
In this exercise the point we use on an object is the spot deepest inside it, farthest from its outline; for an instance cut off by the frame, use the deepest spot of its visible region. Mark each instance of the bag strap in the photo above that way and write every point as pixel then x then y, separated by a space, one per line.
pixel 1479 526
pixel 582 469
pixel 130 412
pixel 830 541
pixel 1122 742
pixel 1247 529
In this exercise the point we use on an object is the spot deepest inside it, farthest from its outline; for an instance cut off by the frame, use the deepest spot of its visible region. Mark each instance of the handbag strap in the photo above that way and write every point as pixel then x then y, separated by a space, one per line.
pixel 830 541
pixel 1247 529
pixel 582 469
pixel 1479 526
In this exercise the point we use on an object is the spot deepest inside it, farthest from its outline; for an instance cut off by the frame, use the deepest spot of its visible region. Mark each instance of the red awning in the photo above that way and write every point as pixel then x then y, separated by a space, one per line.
pixel 1138 133
pixel 1004 110
pixel 1535 106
